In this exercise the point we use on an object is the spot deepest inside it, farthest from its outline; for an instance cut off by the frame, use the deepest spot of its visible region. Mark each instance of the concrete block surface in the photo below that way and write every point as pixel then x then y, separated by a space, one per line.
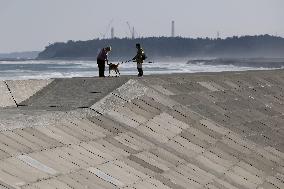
pixel 6 99
pixel 179 131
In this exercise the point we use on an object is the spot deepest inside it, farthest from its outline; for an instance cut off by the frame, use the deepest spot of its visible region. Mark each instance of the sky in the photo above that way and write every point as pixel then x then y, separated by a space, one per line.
pixel 27 25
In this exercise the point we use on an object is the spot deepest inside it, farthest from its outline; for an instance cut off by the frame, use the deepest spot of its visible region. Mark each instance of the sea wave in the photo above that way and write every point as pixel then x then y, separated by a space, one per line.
pixel 34 69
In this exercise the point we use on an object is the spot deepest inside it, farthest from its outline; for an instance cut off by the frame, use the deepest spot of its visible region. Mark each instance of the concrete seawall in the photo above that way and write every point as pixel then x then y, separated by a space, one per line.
pixel 180 131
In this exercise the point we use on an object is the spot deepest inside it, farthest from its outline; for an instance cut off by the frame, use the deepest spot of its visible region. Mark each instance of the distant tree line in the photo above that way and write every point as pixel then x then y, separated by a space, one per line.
pixel 170 47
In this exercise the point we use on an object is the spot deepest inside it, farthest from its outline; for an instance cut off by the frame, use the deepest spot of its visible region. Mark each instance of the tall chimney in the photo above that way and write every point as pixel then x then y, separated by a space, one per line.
pixel 173 28
pixel 218 35
pixel 133 33
pixel 112 32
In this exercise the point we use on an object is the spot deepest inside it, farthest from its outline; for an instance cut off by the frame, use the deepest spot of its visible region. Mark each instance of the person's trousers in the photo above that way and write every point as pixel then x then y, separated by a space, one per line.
pixel 140 72
pixel 101 65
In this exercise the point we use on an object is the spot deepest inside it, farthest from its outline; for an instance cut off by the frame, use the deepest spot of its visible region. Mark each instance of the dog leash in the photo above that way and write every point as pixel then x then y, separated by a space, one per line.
pixel 150 62
pixel 126 61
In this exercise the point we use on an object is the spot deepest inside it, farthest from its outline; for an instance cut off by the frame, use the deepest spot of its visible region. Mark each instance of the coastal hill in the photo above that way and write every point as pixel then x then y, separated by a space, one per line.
pixel 178 131
pixel 168 47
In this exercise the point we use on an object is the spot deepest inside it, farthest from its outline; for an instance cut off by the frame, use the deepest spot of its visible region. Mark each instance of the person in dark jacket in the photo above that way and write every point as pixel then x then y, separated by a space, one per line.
pixel 139 59
pixel 102 59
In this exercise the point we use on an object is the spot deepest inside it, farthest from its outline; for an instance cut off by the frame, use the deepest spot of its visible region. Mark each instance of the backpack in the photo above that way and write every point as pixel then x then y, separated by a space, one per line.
pixel 144 57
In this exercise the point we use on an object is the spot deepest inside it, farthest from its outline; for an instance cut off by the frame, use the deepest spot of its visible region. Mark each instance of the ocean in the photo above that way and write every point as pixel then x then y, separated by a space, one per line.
pixel 37 69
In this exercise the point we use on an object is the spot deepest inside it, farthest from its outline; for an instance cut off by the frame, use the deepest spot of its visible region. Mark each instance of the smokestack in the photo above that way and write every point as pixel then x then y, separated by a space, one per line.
pixel 173 28
pixel 112 32
pixel 133 33
pixel 218 35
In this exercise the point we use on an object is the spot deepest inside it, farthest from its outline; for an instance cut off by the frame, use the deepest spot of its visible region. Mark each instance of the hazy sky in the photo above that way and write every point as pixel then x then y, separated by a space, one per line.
pixel 32 24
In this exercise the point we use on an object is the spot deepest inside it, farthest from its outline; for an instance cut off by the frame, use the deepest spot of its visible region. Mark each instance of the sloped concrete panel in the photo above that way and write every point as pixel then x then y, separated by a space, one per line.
pixel 6 98
pixel 36 164
pixel 127 92
pixel 149 184
pixel 14 119
pixel 68 94
pixel 23 89
pixel 208 85
pixel 106 177
pixel 157 132
pixel 162 90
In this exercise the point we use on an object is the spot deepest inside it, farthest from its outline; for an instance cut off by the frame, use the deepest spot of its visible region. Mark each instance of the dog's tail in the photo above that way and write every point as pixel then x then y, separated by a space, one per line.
pixel 118 64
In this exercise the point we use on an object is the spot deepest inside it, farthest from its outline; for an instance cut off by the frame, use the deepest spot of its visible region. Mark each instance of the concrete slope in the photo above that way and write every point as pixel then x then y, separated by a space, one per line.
pixel 203 131
pixel 6 97
pixel 12 93
pixel 73 93
pixel 22 90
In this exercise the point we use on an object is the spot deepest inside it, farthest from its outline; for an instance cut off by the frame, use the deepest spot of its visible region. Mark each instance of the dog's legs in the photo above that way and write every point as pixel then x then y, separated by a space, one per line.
pixel 109 72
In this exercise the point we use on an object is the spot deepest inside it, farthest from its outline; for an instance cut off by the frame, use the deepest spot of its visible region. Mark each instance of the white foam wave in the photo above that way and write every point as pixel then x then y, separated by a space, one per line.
pixel 67 69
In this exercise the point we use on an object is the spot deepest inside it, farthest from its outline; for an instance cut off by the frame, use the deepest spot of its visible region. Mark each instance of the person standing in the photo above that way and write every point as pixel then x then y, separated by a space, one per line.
pixel 139 59
pixel 102 59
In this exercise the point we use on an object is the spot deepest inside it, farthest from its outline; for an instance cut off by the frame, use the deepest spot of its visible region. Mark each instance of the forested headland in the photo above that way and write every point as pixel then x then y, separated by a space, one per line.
pixel 170 47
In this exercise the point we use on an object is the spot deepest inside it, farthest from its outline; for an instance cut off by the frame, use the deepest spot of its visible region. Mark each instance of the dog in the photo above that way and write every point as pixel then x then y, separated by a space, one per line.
pixel 114 67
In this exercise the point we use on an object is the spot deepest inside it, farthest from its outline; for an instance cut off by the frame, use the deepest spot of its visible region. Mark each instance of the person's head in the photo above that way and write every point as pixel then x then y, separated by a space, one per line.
pixel 108 49
pixel 138 46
